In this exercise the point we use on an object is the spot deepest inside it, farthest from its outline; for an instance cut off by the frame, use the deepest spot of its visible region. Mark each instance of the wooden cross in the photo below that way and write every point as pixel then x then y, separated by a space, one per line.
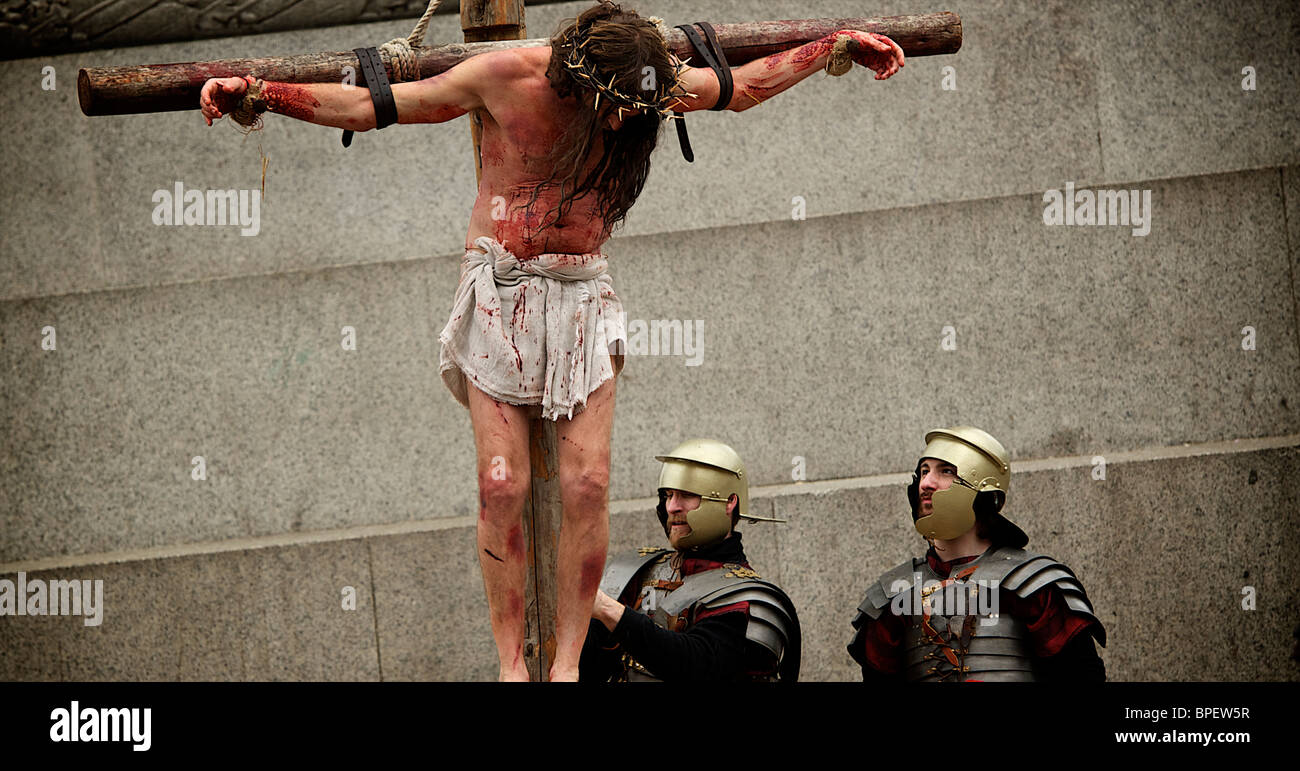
pixel 493 25
pixel 167 87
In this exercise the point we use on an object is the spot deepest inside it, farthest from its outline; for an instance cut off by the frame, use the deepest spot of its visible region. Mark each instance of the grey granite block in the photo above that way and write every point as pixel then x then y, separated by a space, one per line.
pixel 433 614
pixel 823 339
pixel 1194 533
pixel 296 432
pixel 262 614
pixel 82 197
pixel 1170 86
pixel 834 545
pixel 1290 182
pixel 1046 93
pixel 49 242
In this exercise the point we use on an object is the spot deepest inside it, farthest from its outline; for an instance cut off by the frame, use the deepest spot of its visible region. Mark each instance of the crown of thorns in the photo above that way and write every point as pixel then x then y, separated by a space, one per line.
pixel 582 71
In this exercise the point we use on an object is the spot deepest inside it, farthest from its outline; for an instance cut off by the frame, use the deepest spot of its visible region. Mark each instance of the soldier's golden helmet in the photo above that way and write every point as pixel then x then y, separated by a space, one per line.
pixel 982 480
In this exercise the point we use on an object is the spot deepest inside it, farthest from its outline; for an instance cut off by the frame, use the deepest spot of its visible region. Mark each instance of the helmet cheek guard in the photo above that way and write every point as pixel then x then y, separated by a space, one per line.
pixel 713 471
pixel 952 513
pixel 978 493
pixel 709 524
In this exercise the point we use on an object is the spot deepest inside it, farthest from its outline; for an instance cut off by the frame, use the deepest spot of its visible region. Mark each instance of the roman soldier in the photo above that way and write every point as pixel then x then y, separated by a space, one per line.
pixel 698 611
pixel 978 606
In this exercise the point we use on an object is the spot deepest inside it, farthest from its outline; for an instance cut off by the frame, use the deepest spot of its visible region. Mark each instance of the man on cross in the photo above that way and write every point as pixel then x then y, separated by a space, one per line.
pixel 568 130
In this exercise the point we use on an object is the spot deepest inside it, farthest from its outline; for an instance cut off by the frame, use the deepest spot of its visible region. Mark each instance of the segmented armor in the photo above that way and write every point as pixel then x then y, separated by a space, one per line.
pixel 954 630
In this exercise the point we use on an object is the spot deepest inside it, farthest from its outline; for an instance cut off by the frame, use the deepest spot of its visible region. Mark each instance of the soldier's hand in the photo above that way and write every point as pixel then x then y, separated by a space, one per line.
pixel 607 610
pixel 875 52
pixel 220 96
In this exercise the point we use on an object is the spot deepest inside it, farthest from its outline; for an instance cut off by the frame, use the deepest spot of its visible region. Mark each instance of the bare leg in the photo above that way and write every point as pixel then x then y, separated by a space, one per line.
pixel 584 536
pixel 501 441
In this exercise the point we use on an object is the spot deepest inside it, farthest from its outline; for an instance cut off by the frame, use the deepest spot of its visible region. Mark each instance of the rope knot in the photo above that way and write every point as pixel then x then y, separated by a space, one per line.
pixel 840 61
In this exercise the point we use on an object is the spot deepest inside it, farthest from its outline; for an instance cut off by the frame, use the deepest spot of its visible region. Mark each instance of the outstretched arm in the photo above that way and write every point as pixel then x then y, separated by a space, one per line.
pixel 432 100
pixel 761 79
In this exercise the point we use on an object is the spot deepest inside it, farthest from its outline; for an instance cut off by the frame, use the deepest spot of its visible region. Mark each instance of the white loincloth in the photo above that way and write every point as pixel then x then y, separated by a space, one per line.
pixel 536 332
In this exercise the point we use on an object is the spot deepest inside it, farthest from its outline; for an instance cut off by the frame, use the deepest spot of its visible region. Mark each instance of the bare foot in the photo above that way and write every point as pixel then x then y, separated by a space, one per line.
pixel 516 675
pixel 564 675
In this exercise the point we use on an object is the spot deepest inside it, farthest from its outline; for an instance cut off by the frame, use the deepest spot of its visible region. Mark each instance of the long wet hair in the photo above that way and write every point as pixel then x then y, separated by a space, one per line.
pixel 617 43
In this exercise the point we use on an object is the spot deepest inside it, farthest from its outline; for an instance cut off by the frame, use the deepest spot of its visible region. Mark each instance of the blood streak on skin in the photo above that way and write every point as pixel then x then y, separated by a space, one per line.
pixel 501 412
pixel 515 542
pixel 482 508
pixel 442 113
pixel 592 569
pixel 806 56
pixel 289 99
pixel 532 225
pixel 494 155
pixel 763 87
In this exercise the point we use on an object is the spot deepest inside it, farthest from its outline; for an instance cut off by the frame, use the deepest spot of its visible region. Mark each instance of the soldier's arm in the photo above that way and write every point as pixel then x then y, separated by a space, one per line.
pixel 876 647
pixel 711 650
pixel 1062 634
pixel 1077 662
pixel 761 79
pixel 600 657
pixel 432 100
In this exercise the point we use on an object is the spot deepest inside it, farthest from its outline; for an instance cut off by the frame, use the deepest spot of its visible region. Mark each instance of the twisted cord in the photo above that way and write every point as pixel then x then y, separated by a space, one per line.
pixel 400 51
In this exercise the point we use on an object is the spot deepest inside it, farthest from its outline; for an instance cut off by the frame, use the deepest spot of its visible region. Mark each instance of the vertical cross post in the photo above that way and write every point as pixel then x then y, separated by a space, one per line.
pixel 483 20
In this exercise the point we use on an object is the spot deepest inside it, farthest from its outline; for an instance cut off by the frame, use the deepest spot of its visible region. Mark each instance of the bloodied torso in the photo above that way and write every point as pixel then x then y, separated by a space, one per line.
pixel 521 125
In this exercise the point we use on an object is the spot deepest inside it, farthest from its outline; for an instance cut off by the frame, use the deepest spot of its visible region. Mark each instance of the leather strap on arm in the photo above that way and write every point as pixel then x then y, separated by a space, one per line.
pixel 713 55
pixel 381 93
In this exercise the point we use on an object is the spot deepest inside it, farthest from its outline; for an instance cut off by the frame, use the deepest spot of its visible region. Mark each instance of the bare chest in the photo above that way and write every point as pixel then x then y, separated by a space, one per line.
pixel 521 130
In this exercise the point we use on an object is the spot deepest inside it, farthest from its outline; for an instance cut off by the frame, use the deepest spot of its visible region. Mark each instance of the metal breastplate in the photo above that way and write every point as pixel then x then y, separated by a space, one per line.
pixel 961 639
pixel 658 581
pixel 672 601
